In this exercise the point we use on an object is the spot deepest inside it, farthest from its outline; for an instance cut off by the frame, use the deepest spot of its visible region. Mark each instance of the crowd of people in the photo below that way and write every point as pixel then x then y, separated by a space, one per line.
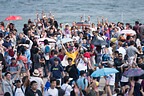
pixel 61 63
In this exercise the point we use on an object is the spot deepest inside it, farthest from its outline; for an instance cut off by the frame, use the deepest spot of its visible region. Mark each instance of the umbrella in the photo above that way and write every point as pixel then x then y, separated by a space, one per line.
pixel 128 32
pixel 13 18
pixel 98 41
pixel 133 72
pixel 49 39
pixel 82 24
pixel 64 40
pixel 104 72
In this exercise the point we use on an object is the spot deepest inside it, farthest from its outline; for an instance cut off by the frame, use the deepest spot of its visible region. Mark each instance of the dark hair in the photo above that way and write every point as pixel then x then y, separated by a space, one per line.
pixel 32 83
pixel 116 52
pixel 17 81
pixel 132 42
pixel 119 53
pixel 52 79
pixel 120 94
pixel 7 37
pixel 57 82
pixel 55 52
pixel 27 42
pixel 56 59
pixel 46 42
pixel 136 22
pixel 136 79
pixel 7 94
pixel 69 59
pixel 36 50
pixel 7 73
pixel 66 79
pixel 117 90
pixel 111 44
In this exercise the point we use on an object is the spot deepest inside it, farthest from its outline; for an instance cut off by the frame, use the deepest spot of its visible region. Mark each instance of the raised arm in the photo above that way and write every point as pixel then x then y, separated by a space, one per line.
pixel 63 47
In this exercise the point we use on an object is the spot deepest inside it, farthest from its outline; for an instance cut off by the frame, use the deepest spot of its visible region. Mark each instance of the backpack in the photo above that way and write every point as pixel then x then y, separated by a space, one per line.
pixel 47 86
pixel 16 89
pixel 47 49
pixel 106 57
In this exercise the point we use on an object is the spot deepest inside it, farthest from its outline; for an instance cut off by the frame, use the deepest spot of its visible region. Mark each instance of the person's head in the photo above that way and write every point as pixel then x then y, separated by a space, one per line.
pixel 57 82
pixel 33 85
pixel 112 44
pixel 13 61
pixel 27 42
pixel 82 73
pixel 61 25
pixel 56 61
pixel 127 25
pixel 139 48
pixel 120 56
pixel 8 75
pixel 81 35
pixel 132 43
pixel 120 44
pixel 36 73
pixel 136 79
pixel 139 60
pixel 46 42
pixel 116 29
pixel 7 38
pixel 53 83
pixel 18 83
pixel 136 22
pixel 125 67
pixel 70 50
pixel 95 33
pixel 70 60
pixel 55 52
pixel 7 94
pixel 66 79
pixel 116 53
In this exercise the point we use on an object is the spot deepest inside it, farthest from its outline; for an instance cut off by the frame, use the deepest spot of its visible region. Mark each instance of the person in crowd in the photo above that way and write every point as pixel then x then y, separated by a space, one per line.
pixel 82 82
pixel 52 91
pixel 72 70
pixel 61 92
pixel 57 70
pixel 7 83
pixel 40 82
pixel 71 48
pixel 13 68
pixel 34 91
pixel 131 52
pixel 18 90
pixel 25 84
pixel 71 54
pixel 66 87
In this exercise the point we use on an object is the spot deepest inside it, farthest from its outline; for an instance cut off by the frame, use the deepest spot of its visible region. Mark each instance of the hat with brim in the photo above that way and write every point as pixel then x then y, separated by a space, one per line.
pixel 36 73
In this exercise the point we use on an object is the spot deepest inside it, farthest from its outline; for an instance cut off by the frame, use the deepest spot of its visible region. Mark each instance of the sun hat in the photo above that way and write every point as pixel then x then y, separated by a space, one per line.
pixel 36 73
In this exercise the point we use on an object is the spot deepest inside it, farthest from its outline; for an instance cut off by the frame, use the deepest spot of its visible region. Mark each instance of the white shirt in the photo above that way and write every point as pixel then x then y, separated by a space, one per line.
pixel 111 79
pixel 110 50
pixel 67 88
pixel 39 82
pixel 122 51
pixel 52 92
pixel 19 92
pixel 124 79
pixel 82 65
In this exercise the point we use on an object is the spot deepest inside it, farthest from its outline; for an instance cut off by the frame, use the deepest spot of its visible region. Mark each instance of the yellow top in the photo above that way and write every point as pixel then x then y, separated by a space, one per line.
pixel 72 55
